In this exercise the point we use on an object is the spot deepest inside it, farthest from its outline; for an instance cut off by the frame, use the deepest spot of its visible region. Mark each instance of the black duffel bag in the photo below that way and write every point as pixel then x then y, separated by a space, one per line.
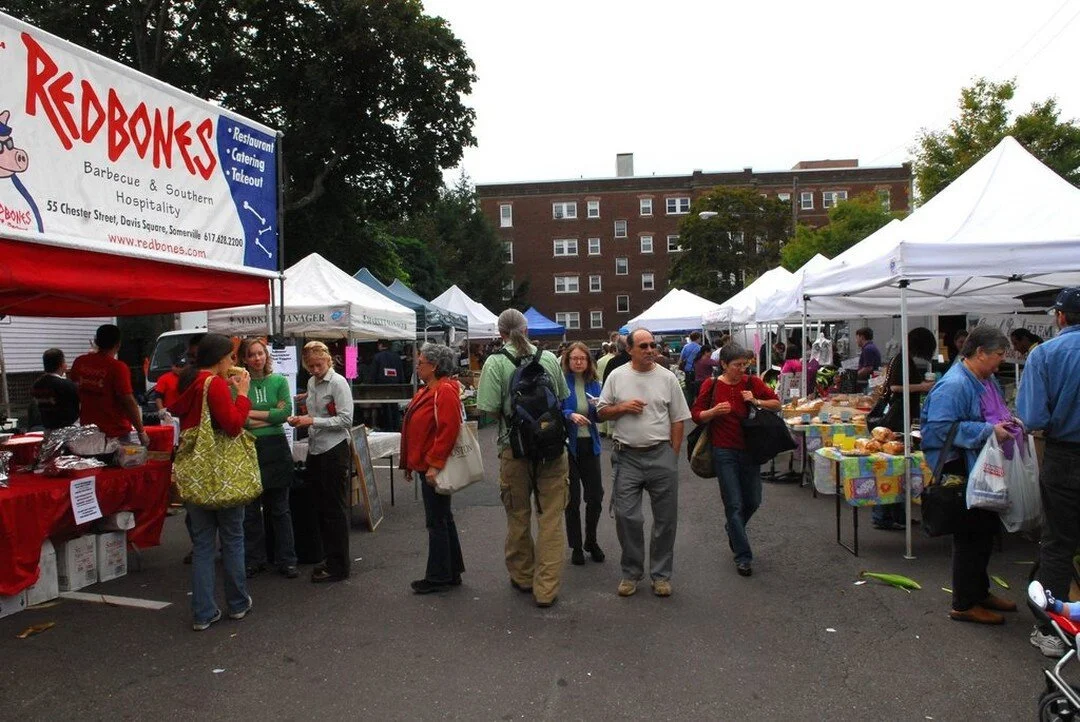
pixel 765 435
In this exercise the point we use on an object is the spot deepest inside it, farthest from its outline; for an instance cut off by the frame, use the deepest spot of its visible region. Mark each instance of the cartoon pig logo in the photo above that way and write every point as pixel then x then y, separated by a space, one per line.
pixel 14 161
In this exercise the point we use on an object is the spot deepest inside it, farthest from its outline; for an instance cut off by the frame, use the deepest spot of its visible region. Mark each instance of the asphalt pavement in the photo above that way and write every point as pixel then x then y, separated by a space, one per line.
pixel 797 640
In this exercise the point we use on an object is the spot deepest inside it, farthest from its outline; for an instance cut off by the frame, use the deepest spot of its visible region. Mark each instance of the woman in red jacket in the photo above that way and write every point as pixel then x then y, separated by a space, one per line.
pixel 428 433
pixel 722 403
pixel 212 364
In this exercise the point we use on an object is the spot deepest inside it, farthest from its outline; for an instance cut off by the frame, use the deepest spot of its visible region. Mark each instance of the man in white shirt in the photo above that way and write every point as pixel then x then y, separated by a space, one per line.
pixel 647 409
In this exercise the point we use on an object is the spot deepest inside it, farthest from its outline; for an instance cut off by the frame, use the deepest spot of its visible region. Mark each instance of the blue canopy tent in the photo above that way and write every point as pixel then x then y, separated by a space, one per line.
pixel 428 317
pixel 540 325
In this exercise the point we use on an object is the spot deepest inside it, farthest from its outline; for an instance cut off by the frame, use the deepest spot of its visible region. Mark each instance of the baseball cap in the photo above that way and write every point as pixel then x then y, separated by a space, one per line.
pixel 1068 301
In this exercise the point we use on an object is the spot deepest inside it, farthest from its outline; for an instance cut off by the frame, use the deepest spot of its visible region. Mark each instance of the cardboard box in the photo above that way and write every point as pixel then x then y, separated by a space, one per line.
pixel 12 605
pixel 111 555
pixel 47 586
pixel 76 563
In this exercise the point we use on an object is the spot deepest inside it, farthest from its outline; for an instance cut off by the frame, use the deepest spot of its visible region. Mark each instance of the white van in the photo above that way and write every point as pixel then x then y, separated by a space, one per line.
pixel 169 348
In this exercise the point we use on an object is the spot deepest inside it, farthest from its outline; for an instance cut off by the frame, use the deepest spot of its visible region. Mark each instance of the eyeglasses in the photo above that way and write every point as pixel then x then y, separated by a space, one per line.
pixel 646 345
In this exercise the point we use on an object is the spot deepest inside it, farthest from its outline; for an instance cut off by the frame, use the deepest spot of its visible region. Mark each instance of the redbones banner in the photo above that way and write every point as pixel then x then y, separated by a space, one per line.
pixel 97 156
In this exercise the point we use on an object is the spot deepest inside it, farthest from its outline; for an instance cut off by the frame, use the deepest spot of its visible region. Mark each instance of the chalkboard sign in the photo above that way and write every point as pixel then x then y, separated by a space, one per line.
pixel 369 507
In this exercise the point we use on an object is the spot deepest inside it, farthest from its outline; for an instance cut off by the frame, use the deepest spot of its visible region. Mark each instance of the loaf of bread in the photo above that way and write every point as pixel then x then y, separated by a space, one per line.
pixel 862 446
pixel 893 447
pixel 873 446
pixel 882 434
pixel 236 371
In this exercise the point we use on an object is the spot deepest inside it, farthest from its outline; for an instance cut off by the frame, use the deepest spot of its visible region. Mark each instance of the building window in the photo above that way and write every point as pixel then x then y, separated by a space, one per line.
pixel 884 198
pixel 508 250
pixel 622 304
pixel 566 247
pixel 646 244
pixel 570 319
pixel 783 197
pixel 564 210
pixel 678 206
pixel 622 266
pixel 506 215
pixel 673 244
pixel 566 284
pixel 508 290
pixel 831 198
pixel 592 209
pixel 620 229
pixel 648 282
pixel 594 246
pixel 806 201
pixel 595 283
pixel 596 319
pixel 645 206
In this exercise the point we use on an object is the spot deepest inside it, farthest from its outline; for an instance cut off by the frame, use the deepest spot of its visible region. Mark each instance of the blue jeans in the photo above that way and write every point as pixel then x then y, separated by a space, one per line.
pixel 740 488
pixel 885 514
pixel 206 526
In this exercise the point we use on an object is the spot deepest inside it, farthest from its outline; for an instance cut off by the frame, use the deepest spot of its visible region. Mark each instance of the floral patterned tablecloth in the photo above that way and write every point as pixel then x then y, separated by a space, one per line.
pixel 869 480
pixel 816 436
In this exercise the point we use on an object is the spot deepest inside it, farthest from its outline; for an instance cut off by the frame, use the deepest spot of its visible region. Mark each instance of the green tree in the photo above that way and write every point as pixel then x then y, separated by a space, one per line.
pixel 368 92
pixel 985 118
pixel 741 241
pixel 850 221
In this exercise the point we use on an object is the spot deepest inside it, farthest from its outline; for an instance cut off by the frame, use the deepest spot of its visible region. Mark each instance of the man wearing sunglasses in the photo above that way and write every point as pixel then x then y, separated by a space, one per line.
pixel 647 410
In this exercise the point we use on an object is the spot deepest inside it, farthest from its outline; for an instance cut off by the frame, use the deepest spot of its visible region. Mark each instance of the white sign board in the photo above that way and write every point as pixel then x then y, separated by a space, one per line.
pixel 283 361
pixel 84 503
pixel 96 156
pixel 1042 325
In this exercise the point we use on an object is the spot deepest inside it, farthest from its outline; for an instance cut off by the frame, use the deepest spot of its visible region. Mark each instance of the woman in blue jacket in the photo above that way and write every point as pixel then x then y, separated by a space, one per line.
pixel 583 438
pixel 970 397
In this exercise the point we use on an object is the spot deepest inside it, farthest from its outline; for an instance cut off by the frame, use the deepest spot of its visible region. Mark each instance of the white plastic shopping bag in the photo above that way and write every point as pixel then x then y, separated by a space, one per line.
pixel 986 487
pixel 1025 500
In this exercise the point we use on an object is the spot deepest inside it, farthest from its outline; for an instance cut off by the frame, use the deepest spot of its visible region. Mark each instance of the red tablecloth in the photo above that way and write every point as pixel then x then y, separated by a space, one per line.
pixel 36 507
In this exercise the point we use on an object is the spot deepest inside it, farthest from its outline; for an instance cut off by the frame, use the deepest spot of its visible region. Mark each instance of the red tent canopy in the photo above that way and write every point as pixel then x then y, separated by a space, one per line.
pixel 44 280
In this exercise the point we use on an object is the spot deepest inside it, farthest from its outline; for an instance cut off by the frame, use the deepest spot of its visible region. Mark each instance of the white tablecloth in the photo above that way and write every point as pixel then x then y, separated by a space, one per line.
pixel 380 443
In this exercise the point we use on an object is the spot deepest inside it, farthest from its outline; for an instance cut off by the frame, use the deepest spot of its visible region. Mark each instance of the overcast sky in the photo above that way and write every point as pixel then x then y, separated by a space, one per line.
pixel 725 84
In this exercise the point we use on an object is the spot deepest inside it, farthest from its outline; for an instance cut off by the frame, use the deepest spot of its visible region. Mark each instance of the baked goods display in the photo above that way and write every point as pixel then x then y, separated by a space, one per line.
pixel 810 407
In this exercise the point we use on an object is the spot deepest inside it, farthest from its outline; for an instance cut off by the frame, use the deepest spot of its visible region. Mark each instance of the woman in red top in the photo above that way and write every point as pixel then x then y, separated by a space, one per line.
pixel 212 362
pixel 722 403
pixel 428 433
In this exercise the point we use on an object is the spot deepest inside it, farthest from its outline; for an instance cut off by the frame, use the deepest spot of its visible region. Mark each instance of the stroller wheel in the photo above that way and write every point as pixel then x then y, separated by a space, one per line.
pixel 1054 707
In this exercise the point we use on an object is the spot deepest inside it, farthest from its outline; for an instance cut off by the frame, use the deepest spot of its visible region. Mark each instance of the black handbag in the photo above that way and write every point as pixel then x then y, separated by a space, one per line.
pixel 942 506
pixel 765 435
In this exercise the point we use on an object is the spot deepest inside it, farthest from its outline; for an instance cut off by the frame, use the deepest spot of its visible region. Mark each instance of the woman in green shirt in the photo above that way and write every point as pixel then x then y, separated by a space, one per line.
pixel 271 405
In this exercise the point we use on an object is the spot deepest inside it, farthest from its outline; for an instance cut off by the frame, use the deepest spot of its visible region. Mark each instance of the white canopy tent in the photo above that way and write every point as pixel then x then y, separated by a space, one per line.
pixel 322 301
pixel 742 307
pixel 679 310
pixel 482 322
pixel 1009 225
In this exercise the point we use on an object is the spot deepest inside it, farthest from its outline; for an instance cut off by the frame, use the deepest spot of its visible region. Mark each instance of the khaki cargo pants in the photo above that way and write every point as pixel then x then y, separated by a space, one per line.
pixel 538 566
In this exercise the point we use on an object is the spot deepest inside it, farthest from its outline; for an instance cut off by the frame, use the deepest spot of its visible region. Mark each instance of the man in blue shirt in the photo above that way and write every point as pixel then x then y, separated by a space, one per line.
pixel 1049 399
pixel 869 356
pixel 690 352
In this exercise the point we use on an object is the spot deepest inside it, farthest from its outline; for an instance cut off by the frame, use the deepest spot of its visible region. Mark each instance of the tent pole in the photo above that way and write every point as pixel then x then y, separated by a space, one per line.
pixel 805 356
pixel 4 382
pixel 1016 363
pixel 280 231
pixel 906 383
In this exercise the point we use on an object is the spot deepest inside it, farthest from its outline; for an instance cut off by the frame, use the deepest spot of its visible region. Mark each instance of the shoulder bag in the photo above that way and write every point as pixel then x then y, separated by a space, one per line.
pixel 215 470
pixel 465 465
pixel 943 499
pixel 765 434
pixel 699 446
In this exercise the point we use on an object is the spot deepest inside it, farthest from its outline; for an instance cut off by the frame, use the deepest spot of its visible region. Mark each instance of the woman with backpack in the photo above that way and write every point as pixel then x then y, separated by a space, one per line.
pixel 722 403
pixel 583 440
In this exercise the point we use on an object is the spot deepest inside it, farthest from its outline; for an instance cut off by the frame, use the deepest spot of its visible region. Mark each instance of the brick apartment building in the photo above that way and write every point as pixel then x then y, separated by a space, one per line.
pixel 596 252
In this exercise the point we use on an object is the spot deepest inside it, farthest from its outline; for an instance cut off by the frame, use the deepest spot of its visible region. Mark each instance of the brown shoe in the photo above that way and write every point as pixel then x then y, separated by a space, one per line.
pixel 627 587
pixel 661 587
pixel 998 604
pixel 978 615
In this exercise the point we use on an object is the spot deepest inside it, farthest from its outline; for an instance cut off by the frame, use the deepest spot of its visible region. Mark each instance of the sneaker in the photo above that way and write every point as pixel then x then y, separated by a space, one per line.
pixel 744 569
pixel 242 613
pixel 627 587
pixel 661 587
pixel 1049 644
pixel 203 626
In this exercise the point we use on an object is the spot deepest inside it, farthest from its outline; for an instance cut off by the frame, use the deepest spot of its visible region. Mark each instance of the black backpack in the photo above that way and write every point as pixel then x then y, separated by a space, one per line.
pixel 536 424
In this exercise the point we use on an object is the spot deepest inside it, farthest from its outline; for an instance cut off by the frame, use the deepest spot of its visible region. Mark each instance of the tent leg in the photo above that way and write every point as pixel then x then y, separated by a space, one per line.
pixel 4 382
pixel 906 380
